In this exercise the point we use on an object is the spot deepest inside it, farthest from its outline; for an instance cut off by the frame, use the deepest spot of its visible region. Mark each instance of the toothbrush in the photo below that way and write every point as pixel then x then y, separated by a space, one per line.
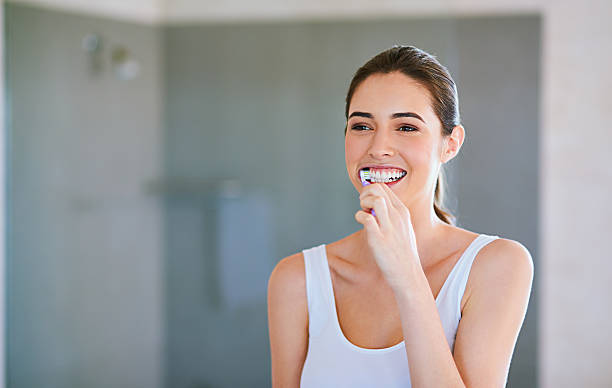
pixel 365 175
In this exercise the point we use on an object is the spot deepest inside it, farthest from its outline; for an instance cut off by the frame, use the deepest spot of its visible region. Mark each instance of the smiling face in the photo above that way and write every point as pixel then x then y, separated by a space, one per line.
pixel 392 122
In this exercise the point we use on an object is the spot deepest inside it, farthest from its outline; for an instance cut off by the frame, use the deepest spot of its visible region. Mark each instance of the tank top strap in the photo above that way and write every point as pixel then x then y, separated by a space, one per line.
pixel 461 272
pixel 318 291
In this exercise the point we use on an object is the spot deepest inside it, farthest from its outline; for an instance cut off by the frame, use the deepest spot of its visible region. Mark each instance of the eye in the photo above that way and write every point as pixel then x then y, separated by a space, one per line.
pixel 408 128
pixel 360 127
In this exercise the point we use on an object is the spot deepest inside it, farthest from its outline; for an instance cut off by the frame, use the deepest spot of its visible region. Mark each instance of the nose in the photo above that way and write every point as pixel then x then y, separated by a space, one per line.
pixel 381 145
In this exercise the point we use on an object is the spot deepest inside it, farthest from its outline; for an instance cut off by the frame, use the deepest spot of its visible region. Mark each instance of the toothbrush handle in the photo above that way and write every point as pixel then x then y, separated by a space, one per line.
pixel 365 183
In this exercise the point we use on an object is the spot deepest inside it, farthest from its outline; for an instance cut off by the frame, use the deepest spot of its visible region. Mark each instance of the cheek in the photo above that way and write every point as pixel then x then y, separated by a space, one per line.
pixel 353 154
pixel 421 153
pixel 353 150
pixel 422 158
pixel 418 159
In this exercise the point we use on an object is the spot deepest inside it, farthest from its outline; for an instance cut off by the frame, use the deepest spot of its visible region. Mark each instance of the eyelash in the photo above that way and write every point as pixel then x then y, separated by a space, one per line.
pixel 403 126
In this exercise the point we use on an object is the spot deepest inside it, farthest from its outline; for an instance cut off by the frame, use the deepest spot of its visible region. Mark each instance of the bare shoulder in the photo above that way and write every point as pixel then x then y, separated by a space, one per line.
pixel 291 265
pixel 504 254
pixel 501 262
pixel 288 280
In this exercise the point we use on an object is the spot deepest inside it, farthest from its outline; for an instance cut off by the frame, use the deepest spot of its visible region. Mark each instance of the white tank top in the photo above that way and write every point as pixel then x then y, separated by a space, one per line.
pixel 333 361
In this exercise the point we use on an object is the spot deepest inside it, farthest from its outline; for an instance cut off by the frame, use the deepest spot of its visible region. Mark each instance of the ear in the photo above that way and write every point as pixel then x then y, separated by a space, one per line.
pixel 452 144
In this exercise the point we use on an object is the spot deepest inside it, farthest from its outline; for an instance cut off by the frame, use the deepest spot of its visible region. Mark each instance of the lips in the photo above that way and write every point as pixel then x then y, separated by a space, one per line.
pixel 380 166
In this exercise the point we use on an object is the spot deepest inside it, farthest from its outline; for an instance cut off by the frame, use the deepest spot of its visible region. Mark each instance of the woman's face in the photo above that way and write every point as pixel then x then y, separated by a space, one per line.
pixel 391 122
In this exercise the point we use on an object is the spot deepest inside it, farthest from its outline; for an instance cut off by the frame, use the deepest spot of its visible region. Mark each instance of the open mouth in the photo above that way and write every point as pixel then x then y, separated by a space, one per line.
pixel 386 175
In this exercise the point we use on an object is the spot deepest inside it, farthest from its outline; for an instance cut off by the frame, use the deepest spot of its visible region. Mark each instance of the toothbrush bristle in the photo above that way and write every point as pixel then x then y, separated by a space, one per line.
pixel 365 174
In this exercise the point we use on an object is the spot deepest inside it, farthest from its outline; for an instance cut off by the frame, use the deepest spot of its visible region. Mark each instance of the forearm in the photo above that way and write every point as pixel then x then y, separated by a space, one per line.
pixel 430 360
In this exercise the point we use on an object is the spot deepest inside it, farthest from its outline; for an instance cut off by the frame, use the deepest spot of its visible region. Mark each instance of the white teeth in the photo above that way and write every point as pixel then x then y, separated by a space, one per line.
pixel 385 176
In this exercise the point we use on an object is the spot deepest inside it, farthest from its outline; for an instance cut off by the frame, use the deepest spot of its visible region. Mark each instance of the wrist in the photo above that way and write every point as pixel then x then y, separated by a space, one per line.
pixel 412 286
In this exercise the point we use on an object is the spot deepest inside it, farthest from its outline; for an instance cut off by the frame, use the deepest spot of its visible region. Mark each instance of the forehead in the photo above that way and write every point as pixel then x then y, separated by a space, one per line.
pixel 385 94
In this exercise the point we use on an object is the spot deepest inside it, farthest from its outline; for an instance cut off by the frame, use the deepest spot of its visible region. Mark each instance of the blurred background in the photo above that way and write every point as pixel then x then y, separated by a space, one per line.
pixel 161 156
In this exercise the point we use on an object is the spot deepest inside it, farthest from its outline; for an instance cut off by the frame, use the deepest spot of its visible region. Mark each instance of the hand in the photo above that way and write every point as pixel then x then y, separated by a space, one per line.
pixel 389 234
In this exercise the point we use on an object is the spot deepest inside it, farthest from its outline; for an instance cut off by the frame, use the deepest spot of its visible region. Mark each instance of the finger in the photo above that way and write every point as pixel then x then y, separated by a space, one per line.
pixel 384 191
pixel 394 199
pixel 380 206
pixel 369 222
pixel 399 216
pixel 375 189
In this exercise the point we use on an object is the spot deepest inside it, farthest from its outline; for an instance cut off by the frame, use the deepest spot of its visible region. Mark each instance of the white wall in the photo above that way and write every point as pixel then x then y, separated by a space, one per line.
pixel 576 178
pixel 2 202
pixel 145 11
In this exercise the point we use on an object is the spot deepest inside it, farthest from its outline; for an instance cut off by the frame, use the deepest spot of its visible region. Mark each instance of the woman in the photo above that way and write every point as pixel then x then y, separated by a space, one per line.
pixel 410 299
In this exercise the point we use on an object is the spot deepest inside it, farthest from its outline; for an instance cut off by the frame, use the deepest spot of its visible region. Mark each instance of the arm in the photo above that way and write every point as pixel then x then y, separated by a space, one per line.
pixel 491 319
pixel 493 314
pixel 288 321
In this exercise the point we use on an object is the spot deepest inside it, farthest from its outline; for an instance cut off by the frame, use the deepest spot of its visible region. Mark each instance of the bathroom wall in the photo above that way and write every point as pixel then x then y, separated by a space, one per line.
pixel 84 284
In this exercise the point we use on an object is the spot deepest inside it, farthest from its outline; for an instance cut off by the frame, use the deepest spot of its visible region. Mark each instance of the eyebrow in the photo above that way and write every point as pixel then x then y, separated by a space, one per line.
pixel 393 116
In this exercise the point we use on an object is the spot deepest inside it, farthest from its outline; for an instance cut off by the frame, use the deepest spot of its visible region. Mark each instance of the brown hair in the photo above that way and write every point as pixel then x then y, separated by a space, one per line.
pixel 425 69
